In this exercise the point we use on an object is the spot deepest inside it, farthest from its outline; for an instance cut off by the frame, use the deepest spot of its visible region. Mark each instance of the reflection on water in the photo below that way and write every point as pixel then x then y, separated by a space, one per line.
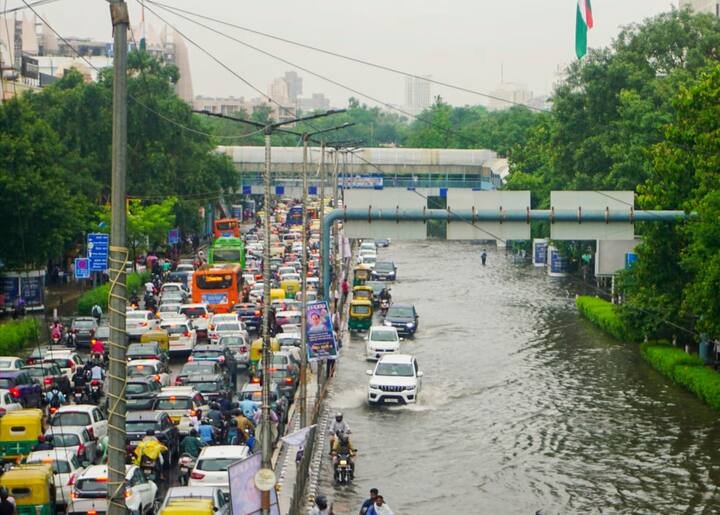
pixel 524 406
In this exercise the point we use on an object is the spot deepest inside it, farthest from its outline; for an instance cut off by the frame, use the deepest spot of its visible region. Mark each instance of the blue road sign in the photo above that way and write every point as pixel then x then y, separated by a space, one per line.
pixel 82 268
pixel 174 236
pixel 312 190
pixel 247 190
pixel 98 248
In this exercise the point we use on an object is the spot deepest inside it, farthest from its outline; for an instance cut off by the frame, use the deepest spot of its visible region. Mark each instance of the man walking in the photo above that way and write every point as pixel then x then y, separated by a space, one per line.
pixel 369 502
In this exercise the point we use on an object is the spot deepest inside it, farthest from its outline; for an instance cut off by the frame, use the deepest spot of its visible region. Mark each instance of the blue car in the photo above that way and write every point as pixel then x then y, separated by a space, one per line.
pixel 384 271
pixel 22 387
pixel 402 317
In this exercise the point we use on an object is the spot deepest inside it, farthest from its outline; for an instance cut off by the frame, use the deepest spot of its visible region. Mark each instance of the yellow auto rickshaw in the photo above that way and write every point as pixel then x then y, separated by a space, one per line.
pixel 19 431
pixel 157 335
pixel 276 294
pixel 361 312
pixel 361 274
pixel 291 287
pixel 32 488
pixel 189 506
pixel 256 353
pixel 363 293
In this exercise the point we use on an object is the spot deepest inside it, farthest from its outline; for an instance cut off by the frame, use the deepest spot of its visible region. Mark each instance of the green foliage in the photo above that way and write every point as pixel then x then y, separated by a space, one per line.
pixel 685 369
pixel 604 315
pixel 99 295
pixel 16 334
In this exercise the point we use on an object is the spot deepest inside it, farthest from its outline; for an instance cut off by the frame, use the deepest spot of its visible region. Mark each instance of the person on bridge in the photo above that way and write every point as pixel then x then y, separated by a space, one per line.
pixel 483 256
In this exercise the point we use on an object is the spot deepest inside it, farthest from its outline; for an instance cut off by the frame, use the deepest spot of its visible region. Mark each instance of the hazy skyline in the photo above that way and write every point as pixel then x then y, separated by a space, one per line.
pixel 463 42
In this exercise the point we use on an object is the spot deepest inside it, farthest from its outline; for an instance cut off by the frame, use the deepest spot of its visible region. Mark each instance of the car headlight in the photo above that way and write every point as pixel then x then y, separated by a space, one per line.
pixel 410 325
pixel 410 387
pixel 387 323
pixel 374 386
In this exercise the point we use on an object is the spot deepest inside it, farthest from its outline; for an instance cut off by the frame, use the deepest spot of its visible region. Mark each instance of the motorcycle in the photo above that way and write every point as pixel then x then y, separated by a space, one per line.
pixel 71 340
pixel 96 390
pixel 186 464
pixel 344 468
pixel 384 306
pixel 149 467
pixel 79 395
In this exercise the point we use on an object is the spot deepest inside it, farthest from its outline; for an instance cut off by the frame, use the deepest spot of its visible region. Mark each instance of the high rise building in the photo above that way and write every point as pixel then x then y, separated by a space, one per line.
pixel 417 94
pixel 295 85
pixel 702 6
pixel 509 94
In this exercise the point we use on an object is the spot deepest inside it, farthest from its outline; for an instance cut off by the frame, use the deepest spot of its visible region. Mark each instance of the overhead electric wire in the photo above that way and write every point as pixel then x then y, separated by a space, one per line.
pixel 346 57
pixel 21 7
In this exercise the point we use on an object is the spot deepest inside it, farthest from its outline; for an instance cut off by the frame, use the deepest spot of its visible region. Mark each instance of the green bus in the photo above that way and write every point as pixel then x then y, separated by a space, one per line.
pixel 227 250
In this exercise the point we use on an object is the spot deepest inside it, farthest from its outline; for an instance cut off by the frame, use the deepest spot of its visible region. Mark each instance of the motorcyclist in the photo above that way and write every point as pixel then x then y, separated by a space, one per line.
pixel 134 299
pixel 385 295
pixel 45 443
pixel 338 426
pixel 79 379
pixel 206 432
pixel 191 444
pixel 215 415
pixel 97 349
pixel 55 398
pixel 57 332
pixel 249 408
pixel 151 447
pixel 321 506
pixel 343 445
pixel 233 433
pixel 97 373
pixel 96 312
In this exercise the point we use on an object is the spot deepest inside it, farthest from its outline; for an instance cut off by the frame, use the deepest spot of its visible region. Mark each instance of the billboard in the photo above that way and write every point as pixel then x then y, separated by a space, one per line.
pixel 364 182
pixel 245 498
pixel 321 344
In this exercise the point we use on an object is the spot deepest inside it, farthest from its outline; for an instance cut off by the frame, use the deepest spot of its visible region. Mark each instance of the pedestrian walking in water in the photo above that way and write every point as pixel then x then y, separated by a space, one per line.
pixel 370 501
pixel 483 256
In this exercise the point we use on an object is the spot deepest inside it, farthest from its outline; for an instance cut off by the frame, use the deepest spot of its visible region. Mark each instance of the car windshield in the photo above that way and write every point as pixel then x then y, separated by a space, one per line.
pixel 173 404
pixel 205 386
pixel 71 418
pixel 383 266
pixel 383 336
pixel 92 485
pixel 140 426
pixel 7 363
pixel 207 354
pixel 232 341
pixel 59 467
pixel 394 369
pixel 197 368
pixel 285 319
pixel 169 308
pixel 216 464
pixel 139 315
pixel 140 370
pixel 65 439
pixel 140 350
pixel 177 329
pixel 136 388
pixel 61 362
pixel 193 312
pixel 214 281
pixel 228 327
pixel 37 372
pixel 360 309
pixel 82 324
pixel 402 312
pixel 276 360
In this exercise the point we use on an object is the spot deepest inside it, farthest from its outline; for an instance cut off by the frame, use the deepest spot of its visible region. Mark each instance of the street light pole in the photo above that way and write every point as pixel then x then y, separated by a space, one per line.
pixel 266 434
pixel 118 257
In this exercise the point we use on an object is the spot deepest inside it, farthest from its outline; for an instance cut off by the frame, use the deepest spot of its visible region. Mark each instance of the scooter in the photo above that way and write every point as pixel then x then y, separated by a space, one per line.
pixel 96 387
pixel 79 395
pixel 186 464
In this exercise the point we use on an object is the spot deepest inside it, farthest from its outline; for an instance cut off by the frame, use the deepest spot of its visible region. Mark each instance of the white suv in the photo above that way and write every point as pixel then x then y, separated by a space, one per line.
pixel 212 464
pixel 199 315
pixel 381 340
pixel 89 493
pixel 396 379
pixel 183 336
pixel 140 322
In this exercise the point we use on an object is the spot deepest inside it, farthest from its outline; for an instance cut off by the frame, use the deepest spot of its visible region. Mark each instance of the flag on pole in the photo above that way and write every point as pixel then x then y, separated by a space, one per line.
pixel 298 437
pixel 142 27
pixel 583 23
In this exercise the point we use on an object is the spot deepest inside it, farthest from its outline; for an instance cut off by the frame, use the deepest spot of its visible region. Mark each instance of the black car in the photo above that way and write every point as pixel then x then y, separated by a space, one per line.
pixel 384 271
pixel 285 380
pixel 150 350
pixel 402 317
pixel 198 368
pixel 49 376
pixel 84 329
pixel 140 393
pixel 382 242
pixel 213 387
pixel 138 423
pixel 220 354
pixel 251 314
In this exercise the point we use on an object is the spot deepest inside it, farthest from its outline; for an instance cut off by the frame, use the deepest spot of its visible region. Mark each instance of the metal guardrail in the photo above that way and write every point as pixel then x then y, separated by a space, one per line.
pixel 390 183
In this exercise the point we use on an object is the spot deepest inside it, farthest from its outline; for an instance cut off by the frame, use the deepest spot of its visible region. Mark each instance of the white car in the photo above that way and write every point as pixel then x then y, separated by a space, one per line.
pixel 283 270
pixel 140 322
pixel 199 314
pixel 66 468
pixel 289 321
pixel 396 379
pixel 368 245
pixel 256 292
pixel 381 340
pixel 75 439
pixel 87 415
pixel 166 311
pixel 181 403
pixel 185 267
pixel 89 493
pixel 238 344
pixel 224 327
pixel 67 360
pixel 293 276
pixel 175 288
pixel 368 259
pixel 212 464
pixel 148 368
pixel 8 402
pixel 312 296
pixel 11 363
pixel 183 336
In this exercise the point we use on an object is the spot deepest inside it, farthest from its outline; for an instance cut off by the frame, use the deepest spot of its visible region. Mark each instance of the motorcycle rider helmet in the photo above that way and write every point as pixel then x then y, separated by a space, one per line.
pixel 215 406
pixel 321 502
pixel 150 432
pixel 233 422
pixel 193 432
pixel 338 416
pixel 49 438
pixel 205 421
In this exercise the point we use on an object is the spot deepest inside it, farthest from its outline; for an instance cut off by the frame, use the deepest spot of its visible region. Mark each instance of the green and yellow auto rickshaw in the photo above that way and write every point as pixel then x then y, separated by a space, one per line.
pixel 361 274
pixel 361 312
pixel 256 353
pixel 19 431
pixel 32 488
pixel 363 293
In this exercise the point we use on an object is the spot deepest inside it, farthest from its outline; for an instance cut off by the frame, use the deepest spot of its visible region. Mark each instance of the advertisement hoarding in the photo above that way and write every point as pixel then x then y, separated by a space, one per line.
pixel 321 343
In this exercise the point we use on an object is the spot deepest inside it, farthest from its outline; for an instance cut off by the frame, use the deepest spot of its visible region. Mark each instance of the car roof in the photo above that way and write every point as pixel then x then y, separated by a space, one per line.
pixel 10 357
pixel 83 319
pixel 177 390
pixel 402 306
pixel 201 378
pixel 64 429
pixel 143 311
pixel 208 346
pixel 224 451
pixel 60 452
pixel 96 471
pixel 144 362
pixel 251 387
pixel 144 415
pixel 11 373
pixel 289 313
pixel 196 305
pixel 76 408
pixel 179 285
pixel 397 358
pixel 383 328
pixel 192 491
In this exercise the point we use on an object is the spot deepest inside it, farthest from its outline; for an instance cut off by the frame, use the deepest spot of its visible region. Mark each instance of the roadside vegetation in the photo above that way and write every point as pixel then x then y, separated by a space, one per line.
pixel 99 295
pixel 16 334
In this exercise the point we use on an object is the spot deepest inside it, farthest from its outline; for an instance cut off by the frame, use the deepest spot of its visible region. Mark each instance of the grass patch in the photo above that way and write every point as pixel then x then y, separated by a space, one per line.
pixel 604 315
pixel 16 334
pixel 100 294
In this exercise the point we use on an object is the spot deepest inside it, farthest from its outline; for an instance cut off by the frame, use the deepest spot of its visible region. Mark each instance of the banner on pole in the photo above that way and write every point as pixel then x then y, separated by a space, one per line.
pixel 321 344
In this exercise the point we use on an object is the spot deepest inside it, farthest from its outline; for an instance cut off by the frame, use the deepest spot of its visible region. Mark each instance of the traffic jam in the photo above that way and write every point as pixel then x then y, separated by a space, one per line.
pixel 194 379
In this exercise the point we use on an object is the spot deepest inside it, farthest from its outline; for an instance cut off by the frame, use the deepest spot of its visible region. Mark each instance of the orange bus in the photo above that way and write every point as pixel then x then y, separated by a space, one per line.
pixel 219 287
pixel 226 227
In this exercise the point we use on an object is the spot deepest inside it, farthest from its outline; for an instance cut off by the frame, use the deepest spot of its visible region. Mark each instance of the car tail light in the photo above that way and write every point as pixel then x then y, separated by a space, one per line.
pixel 221 359
pixel 257 313
pixel 53 410
pixel 271 370
pixel 30 361
pixel 74 496
pixel 47 380
pixel 128 492
pixel 211 326
pixel 196 475
pixel 255 380
pixel 186 334
pixel 143 324
pixel 288 380
pixel 243 348
pixel 190 359
pixel 2 411
pixel 95 382
pixel 157 377
pixel 178 380
pixel 91 431
pixel 81 449
pixel 15 392
pixel 204 315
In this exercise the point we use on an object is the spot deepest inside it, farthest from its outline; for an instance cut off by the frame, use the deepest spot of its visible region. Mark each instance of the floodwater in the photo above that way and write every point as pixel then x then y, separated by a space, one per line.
pixel 524 405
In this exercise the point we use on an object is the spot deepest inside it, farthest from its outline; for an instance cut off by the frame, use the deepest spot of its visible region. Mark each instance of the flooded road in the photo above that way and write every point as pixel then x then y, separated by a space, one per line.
pixel 524 406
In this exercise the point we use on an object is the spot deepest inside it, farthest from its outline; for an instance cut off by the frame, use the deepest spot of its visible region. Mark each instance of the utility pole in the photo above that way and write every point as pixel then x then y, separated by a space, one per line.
pixel 118 258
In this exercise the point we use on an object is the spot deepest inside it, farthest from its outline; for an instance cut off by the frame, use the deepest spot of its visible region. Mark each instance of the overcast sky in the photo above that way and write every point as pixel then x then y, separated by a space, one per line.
pixel 459 41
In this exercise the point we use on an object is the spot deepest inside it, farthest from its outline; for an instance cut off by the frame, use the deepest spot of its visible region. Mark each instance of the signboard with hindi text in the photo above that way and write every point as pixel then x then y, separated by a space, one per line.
pixel 321 343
